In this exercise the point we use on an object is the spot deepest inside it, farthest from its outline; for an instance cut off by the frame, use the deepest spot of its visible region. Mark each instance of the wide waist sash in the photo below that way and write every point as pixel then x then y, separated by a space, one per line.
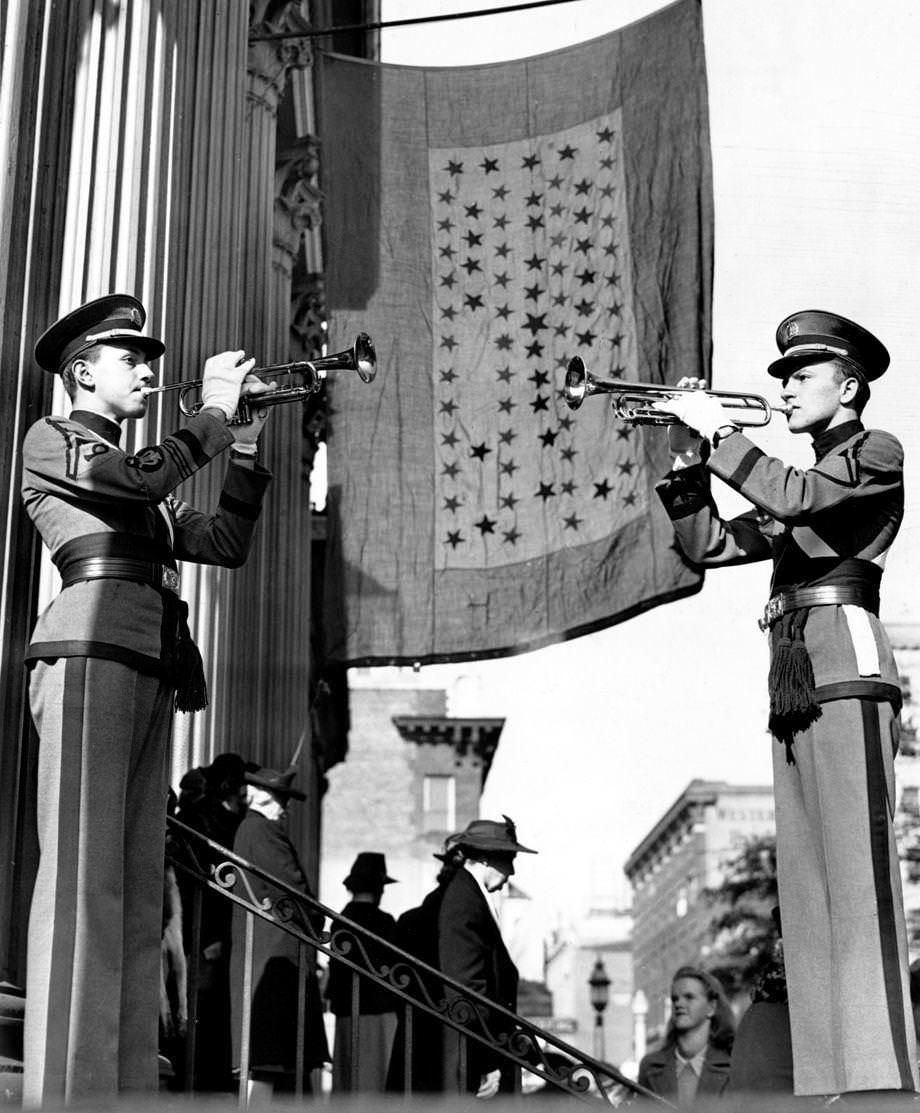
pixel 860 595
pixel 125 556
pixel 149 572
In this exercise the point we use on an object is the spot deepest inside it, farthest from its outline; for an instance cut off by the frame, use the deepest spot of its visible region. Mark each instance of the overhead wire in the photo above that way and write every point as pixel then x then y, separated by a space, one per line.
pixel 317 33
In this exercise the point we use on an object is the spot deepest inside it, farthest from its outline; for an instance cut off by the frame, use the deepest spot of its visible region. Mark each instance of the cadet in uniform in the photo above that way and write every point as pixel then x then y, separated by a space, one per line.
pixel 108 659
pixel 834 689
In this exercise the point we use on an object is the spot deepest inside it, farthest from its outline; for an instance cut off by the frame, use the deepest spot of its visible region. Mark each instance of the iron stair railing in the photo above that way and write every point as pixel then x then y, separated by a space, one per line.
pixel 421 987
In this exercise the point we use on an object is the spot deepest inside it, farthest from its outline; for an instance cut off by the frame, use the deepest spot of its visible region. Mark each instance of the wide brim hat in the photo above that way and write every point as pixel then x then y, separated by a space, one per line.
pixel 491 835
pixel 368 870
pixel 105 320
pixel 281 784
pixel 815 335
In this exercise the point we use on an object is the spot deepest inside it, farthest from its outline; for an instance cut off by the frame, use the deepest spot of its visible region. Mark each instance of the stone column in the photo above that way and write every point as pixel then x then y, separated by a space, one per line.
pixel 269 617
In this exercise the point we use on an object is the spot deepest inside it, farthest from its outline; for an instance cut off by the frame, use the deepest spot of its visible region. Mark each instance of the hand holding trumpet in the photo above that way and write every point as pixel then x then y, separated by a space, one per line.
pixel 228 377
pixel 248 432
pixel 225 375
pixel 698 411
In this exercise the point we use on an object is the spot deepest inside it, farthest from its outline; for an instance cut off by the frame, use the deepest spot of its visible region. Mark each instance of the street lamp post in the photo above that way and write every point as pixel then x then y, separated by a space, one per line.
pixel 599 985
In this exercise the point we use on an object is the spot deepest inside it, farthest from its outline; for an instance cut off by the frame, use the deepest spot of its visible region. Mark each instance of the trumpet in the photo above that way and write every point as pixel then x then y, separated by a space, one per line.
pixel 360 357
pixel 633 402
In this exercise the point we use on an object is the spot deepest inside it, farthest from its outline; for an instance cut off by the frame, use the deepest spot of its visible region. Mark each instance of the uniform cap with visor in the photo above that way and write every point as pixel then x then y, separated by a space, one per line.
pixel 814 335
pixel 107 320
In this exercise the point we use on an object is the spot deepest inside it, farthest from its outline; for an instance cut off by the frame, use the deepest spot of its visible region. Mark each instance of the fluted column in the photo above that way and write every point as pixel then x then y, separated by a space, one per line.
pixel 204 315
pixel 35 139
pixel 270 596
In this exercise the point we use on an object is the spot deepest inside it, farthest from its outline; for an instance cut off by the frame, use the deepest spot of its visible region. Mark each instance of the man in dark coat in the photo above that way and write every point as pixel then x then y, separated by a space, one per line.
pixel 262 840
pixel 376 1021
pixel 471 951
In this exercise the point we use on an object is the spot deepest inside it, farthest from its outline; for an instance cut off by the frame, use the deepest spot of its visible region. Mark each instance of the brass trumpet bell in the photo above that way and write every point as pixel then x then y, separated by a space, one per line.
pixel 633 402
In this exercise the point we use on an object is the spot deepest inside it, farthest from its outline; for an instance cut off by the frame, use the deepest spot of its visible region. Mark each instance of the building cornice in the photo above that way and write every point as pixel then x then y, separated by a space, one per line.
pixel 477 737
pixel 681 815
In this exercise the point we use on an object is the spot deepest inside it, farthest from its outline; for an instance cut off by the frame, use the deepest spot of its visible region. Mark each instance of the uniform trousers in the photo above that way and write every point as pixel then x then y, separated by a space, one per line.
pixel 96 917
pixel 844 938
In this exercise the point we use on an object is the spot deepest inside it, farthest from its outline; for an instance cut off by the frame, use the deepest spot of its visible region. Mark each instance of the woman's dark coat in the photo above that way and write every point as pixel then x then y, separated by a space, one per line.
pixel 471 950
pixel 273 1039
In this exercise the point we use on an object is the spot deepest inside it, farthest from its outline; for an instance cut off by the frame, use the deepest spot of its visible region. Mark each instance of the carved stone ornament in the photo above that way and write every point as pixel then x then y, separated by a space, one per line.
pixel 296 183
pixel 270 60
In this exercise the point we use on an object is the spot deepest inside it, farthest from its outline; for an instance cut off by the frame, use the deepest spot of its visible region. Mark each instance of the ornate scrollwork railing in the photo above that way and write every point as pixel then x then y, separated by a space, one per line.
pixel 513 1038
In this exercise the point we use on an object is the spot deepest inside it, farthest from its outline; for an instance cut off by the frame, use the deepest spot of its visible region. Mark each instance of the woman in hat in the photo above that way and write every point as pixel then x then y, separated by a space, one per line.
pixel 263 840
pixel 472 952
pixel 417 933
pixel 376 1020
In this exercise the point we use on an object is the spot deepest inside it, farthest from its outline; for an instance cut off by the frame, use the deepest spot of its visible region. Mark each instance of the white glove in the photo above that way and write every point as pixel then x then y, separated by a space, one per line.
pixel 250 432
pixel 223 377
pixel 488 1084
pixel 698 411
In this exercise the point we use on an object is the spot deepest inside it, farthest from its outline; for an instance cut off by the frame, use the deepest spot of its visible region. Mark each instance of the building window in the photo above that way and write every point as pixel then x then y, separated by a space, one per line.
pixel 910 800
pixel 439 803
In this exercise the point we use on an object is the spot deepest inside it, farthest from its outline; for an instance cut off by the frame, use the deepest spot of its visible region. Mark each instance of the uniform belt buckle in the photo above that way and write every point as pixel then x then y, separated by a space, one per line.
pixel 774 609
pixel 170 579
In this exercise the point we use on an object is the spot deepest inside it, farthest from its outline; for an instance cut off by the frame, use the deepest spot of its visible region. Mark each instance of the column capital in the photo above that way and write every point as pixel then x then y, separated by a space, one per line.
pixel 269 61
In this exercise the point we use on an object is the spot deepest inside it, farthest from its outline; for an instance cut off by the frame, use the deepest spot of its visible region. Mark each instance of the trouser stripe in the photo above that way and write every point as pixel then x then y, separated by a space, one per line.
pixel 57 1035
pixel 877 794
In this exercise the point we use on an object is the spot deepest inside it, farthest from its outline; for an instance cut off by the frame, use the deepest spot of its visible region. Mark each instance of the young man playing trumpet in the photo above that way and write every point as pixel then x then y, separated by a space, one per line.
pixel 108 659
pixel 834 689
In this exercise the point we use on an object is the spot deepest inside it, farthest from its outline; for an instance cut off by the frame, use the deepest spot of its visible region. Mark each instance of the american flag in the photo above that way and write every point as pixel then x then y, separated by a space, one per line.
pixel 485 226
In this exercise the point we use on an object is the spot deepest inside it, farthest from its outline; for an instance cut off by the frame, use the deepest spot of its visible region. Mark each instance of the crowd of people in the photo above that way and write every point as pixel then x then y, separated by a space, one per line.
pixel 240 806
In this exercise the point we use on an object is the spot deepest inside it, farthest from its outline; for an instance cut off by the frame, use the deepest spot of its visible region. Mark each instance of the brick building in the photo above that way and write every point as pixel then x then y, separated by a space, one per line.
pixel 681 856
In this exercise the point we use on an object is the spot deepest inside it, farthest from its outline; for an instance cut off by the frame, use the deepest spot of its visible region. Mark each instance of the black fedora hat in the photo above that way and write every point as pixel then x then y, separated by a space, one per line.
pixel 281 784
pixel 228 768
pixel 489 834
pixel 814 335
pixel 368 870
pixel 105 320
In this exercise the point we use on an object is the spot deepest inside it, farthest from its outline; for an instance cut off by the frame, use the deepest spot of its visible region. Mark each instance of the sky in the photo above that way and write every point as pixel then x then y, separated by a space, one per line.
pixel 815 131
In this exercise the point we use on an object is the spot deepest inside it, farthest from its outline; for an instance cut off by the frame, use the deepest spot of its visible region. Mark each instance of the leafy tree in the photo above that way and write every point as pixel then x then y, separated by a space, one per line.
pixel 742 933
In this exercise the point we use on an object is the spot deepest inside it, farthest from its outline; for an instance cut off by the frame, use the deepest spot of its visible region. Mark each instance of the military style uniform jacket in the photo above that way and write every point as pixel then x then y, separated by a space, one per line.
pixel 831 524
pixel 88 498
